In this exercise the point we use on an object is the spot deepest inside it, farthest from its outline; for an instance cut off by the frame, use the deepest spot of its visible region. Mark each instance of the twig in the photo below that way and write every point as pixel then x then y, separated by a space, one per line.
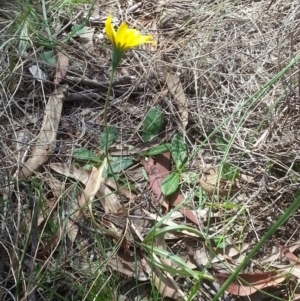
pixel 99 84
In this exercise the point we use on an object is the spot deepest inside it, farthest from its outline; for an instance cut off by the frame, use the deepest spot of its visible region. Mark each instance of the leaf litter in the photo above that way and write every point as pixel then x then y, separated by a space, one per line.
pixel 212 71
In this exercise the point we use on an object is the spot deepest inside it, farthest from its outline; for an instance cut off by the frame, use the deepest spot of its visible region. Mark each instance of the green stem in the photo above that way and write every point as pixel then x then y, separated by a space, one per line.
pixel 46 21
pixel 281 220
pixel 112 75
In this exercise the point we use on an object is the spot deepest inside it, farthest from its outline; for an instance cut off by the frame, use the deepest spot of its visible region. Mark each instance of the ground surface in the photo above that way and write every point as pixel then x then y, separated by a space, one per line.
pixel 225 79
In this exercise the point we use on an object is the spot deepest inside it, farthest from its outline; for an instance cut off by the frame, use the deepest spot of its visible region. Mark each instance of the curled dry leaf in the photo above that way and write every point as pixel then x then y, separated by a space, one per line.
pixel 166 285
pixel 85 200
pixel 219 254
pixel 250 283
pixel 71 171
pixel 61 68
pixel 176 89
pixel 210 182
pixel 46 140
pixel 109 200
pixel 177 199
pixel 128 268
pixel 93 186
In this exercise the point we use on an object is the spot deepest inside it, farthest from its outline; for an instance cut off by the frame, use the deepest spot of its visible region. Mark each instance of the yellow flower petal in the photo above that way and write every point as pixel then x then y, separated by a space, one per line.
pixel 110 31
pixel 125 38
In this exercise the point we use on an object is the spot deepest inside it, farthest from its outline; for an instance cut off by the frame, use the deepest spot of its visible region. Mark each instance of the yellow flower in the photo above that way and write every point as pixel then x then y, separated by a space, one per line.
pixel 125 37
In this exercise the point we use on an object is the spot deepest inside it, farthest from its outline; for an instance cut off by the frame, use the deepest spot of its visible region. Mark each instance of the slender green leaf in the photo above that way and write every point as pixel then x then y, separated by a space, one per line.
pixel 153 123
pixel 160 222
pixel 176 259
pixel 172 270
pixel 194 290
pixel 176 228
pixel 179 150
pixel 85 154
pixel 158 150
pixel 170 184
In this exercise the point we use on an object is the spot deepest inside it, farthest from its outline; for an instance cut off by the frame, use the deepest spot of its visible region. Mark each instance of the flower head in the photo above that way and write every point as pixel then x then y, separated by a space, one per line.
pixel 124 38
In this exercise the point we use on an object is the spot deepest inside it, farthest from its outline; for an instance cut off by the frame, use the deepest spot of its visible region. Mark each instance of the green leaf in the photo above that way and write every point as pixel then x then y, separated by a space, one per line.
pixel 158 150
pixel 185 269
pixel 170 184
pixel 117 164
pixel 176 259
pixel 153 123
pixel 171 270
pixel 111 137
pixel 77 30
pixel 179 150
pixel 85 154
pixel 194 290
pixel 220 241
pixel 230 172
pixel 221 144
pixel 49 57
pixel 160 232
pixel 145 175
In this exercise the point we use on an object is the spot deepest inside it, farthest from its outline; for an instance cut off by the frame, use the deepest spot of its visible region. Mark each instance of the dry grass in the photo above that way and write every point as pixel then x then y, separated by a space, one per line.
pixel 223 52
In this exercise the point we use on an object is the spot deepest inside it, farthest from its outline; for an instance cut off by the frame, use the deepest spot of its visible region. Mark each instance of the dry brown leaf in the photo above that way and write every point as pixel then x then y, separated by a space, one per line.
pixel 109 200
pixel 164 285
pixel 46 140
pixel 82 175
pixel 131 268
pixel 85 200
pixel 177 198
pixel 220 254
pixel 251 283
pixel 176 89
pixel 78 174
pixel 210 183
pixel 156 175
pixel 294 268
pixel 123 191
pixel 61 68
pixel 293 259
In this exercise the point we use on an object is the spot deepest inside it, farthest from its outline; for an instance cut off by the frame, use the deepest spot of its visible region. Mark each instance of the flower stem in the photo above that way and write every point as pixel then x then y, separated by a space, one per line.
pixel 112 75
